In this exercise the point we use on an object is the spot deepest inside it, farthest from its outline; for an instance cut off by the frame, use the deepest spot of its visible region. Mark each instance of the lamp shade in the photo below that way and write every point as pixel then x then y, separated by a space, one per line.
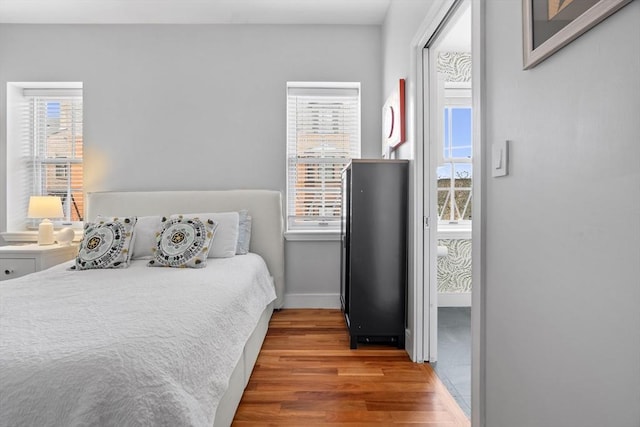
pixel 45 207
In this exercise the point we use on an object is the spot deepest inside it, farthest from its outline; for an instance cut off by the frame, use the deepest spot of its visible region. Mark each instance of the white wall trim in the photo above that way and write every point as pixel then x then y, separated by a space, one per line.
pixel 312 301
pixel 478 331
pixel 454 299
pixel 32 236
pixel 313 236
pixel 20 236
pixel 426 156
pixel 454 234
pixel 421 323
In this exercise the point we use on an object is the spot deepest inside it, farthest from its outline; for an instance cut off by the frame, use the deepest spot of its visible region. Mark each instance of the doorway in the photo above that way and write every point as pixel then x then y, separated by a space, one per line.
pixel 448 194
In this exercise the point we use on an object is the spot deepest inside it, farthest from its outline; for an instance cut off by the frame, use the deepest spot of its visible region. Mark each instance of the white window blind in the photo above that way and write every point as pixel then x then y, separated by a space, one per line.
pixel 323 134
pixel 53 163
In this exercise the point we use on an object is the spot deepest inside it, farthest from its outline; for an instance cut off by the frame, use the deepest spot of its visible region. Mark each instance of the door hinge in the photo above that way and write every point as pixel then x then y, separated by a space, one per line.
pixel 425 220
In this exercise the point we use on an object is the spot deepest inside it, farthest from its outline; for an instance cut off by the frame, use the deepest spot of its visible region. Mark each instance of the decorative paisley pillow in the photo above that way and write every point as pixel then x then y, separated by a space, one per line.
pixel 106 244
pixel 183 242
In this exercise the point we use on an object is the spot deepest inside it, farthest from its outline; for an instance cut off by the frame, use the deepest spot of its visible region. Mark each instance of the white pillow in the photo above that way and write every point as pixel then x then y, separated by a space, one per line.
pixel 145 233
pixel 225 238
pixel 244 232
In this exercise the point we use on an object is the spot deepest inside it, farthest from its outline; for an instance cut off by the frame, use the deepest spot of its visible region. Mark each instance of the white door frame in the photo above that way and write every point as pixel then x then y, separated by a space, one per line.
pixel 424 306
pixel 432 98
pixel 421 322
pixel 478 338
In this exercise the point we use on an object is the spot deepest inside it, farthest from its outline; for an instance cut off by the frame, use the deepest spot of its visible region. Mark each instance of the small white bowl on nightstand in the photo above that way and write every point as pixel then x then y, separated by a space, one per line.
pixel 65 236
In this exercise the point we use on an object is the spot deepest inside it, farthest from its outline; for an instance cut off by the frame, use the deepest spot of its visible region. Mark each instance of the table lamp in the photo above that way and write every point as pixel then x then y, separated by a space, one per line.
pixel 45 207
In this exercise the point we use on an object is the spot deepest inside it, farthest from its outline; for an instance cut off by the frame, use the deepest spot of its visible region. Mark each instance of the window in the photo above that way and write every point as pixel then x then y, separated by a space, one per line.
pixel 454 171
pixel 45 150
pixel 323 135
pixel 57 151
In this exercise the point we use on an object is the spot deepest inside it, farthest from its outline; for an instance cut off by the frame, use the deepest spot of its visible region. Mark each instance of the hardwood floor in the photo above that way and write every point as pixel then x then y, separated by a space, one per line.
pixel 307 375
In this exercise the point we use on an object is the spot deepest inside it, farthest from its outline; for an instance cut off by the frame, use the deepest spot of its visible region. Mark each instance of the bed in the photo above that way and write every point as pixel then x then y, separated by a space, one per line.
pixel 141 345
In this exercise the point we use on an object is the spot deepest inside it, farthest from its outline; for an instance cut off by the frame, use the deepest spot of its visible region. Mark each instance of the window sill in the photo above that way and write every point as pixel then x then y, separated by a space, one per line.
pixel 312 235
pixel 31 236
pixel 451 231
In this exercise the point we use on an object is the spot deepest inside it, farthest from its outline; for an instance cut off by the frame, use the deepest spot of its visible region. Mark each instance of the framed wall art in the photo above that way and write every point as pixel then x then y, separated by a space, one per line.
pixel 393 118
pixel 549 25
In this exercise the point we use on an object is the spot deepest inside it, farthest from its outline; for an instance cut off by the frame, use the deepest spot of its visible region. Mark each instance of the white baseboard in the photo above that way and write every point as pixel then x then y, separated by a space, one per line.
pixel 445 299
pixel 454 299
pixel 312 301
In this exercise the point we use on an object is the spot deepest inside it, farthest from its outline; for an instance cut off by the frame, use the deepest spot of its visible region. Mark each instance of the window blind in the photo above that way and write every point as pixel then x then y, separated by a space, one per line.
pixel 323 134
pixel 54 165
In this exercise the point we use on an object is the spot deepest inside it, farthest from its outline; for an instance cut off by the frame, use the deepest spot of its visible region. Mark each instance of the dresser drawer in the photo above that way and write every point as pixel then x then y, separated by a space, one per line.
pixel 10 268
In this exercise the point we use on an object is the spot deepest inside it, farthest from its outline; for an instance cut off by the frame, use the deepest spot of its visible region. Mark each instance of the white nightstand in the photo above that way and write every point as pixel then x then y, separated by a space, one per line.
pixel 18 260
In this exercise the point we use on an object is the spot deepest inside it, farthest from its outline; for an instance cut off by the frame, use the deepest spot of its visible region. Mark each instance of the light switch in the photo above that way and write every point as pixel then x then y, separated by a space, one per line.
pixel 499 158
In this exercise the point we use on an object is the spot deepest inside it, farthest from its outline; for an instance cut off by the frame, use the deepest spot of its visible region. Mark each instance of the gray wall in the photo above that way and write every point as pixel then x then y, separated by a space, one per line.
pixel 562 230
pixel 562 256
pixel 403 19
pixel 196 106
pixel 402 22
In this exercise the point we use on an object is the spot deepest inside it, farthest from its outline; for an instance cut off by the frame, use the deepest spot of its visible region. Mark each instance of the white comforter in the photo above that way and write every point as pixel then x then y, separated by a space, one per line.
pixel 139 346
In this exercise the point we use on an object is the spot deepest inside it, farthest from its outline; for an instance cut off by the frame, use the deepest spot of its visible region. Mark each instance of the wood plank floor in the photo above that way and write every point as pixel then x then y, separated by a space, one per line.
pixel 307 375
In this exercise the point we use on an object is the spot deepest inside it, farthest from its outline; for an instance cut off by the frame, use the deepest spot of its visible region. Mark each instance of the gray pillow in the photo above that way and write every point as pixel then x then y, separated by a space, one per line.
pixel 244 232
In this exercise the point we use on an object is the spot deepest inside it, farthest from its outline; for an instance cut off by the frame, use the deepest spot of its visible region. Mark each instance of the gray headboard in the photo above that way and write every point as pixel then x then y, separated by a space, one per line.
pixel 265 207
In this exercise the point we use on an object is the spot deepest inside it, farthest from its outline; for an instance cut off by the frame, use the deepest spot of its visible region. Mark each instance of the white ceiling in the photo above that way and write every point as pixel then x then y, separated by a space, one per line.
pixel 360 12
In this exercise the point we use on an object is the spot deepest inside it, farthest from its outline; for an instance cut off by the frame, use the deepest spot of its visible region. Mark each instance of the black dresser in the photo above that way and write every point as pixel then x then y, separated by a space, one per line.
pixel 373 277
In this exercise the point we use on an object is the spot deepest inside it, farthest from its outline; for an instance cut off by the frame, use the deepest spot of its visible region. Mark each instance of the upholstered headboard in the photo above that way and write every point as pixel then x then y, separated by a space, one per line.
pixel 265 207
